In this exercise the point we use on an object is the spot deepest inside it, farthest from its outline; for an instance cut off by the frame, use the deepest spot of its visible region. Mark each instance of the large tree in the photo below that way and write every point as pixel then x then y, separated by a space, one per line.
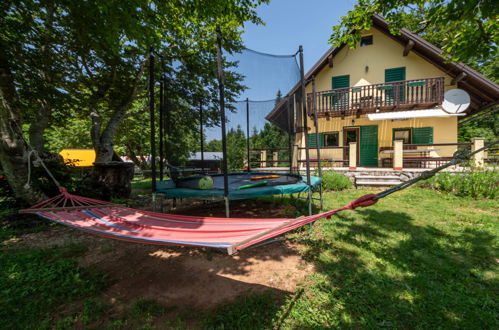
pixel 92 55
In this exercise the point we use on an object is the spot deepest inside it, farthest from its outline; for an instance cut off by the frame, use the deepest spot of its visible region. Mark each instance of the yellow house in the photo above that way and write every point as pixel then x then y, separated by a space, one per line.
pixel 389 88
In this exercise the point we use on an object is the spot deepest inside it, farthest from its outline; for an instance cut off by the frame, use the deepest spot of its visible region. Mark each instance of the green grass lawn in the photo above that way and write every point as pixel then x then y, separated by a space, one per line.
pixel 417 259
pixel 141 183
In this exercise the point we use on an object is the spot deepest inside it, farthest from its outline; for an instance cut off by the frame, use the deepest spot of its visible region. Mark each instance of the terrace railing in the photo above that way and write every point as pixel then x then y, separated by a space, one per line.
pixel 406 94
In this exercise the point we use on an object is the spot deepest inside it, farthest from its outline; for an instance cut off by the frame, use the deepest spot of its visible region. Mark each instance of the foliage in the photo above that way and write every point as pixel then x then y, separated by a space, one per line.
pixel 236 149
pixel 71 134
pixel 334 181
pixel 270 137
pixel 33 282
pixel 84 61
pixel 467 31
pixel 475 184
pixel 486 126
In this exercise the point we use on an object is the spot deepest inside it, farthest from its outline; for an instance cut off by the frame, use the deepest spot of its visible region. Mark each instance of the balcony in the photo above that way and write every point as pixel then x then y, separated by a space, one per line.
pixel 392 96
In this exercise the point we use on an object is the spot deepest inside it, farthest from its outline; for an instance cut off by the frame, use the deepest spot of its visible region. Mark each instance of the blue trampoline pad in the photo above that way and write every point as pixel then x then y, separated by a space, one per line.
pixel 284 184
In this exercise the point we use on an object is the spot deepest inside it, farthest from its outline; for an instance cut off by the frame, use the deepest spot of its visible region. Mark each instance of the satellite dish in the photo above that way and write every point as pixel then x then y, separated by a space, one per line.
pixel 456 101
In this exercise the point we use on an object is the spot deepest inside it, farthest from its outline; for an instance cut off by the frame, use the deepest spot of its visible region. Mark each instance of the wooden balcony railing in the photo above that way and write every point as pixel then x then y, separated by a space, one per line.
pixel 406 94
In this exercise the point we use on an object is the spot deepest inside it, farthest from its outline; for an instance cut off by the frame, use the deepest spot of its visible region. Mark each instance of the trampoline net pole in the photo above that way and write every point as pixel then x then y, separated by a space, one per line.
pixel 305 128
pixel 290 135
pixel 201 134
pixel 248 135
pixel 161 130
pixel 222 118
pixel 152 120
pixel 318 142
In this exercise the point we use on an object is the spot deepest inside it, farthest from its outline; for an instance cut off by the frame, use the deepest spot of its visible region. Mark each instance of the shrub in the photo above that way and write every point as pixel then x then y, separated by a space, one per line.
pixel 335 181
pixel 475 184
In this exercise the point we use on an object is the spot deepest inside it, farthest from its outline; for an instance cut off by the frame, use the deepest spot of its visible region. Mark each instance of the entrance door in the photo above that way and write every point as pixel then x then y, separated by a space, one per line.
pixel 368 145
pixel 350 134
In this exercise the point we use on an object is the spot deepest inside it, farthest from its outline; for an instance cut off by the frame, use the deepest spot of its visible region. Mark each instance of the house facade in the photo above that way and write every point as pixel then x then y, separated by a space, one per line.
pixel 389 88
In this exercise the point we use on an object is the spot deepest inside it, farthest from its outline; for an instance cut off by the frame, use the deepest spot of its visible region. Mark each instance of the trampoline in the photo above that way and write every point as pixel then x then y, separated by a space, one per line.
pixel 284 183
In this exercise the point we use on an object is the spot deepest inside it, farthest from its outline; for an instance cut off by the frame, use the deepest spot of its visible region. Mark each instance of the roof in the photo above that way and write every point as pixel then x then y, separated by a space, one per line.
pixel 208 155
pixel 483 91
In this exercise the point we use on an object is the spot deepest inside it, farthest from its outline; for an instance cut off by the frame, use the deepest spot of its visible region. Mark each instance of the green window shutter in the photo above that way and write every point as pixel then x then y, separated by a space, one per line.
pixel 340 81
pixel 368 152
pixel 312 142
pixel 340 100
pixel 423 135
pixel 395 74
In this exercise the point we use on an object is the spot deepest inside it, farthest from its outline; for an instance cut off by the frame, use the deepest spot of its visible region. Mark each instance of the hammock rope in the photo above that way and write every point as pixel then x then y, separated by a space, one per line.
pixel 234 234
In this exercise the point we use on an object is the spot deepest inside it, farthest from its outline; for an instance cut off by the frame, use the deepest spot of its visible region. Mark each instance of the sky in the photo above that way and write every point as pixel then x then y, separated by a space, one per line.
pixel 290 23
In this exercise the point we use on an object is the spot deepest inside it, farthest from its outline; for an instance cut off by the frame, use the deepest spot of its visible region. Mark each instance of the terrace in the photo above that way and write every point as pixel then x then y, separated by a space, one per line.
pixel 359 100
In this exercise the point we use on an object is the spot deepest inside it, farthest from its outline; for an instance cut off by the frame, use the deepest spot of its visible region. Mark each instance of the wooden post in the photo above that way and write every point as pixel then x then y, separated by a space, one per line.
pixel 275 157
pixel 478 158
pixel 263 158
pixel 352 156
pixel 295 157
pixel 398 155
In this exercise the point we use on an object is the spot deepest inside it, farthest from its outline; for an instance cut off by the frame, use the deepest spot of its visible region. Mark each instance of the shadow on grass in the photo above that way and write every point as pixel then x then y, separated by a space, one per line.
pixel 386 271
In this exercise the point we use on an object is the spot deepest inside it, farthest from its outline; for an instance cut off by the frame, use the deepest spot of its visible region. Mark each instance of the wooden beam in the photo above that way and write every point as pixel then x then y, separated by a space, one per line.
pixel 458 78
pixel 408 47
pixel 330 61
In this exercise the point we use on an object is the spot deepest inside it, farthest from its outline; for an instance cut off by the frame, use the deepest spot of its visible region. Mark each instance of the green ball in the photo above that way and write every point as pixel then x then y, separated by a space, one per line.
pixel 206 183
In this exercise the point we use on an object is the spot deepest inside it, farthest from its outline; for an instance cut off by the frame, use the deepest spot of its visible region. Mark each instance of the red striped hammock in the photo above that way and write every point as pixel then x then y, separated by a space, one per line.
pixel 123 223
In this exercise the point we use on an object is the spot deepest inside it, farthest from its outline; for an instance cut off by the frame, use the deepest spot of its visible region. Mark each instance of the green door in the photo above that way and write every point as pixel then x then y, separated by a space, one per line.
pixel 339 99
pixel 368 146
pixel 391 95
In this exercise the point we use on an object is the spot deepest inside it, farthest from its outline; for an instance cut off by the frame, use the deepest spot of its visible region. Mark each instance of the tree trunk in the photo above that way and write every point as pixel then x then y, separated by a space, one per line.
pixel 112 179
pixel 38 126
pixel 104 142
pixel 46 71
pixel 13 152
pixel 140 163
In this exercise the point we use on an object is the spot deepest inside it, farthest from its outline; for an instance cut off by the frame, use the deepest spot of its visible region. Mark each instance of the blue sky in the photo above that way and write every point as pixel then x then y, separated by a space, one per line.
pixel 290 23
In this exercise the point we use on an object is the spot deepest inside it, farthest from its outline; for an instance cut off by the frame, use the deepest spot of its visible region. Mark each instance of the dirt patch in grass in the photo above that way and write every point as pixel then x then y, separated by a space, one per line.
pixel 180 277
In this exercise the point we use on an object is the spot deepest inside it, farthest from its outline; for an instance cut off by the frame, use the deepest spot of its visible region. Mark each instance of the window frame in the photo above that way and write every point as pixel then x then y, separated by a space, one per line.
pixel 366 37
pixel 400 129
pixel 325 134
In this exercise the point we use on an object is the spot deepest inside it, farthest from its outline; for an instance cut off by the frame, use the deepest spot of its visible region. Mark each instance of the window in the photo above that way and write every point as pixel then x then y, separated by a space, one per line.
pixel 331 139
pixel 402 134
pixel 366 41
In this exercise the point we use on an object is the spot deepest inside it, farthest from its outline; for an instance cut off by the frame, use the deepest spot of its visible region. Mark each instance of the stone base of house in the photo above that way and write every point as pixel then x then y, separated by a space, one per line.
pixel 373 176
